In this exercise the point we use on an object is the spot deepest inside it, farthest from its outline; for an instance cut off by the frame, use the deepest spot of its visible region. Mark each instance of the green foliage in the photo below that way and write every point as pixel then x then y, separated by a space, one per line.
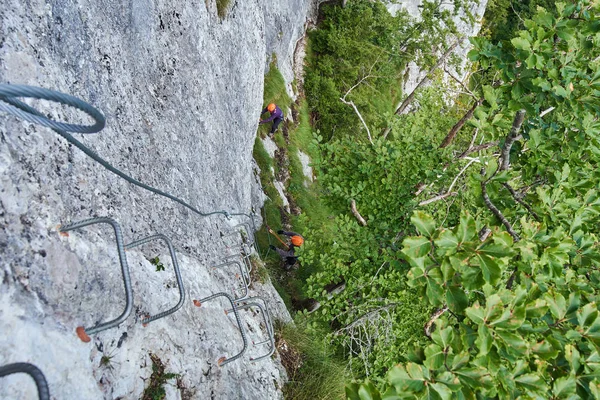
pixel 159 377
pixel 156 262
pixel 503 18
pixel 363 49
pixel 381 178
pixel 315 372
pixel 351 43
pixel 525 320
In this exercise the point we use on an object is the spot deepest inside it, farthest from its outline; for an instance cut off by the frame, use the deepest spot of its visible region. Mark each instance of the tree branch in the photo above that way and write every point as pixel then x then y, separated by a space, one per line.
pixel 494 209
pixel 460 83
pixel 475 149
pixel 359 217
pixel 350 103
pixel 452 133
pixel 449 192
pixel 438 197
pixel 519 200
pixel 426 79
pixel 429 325
pixel 512 137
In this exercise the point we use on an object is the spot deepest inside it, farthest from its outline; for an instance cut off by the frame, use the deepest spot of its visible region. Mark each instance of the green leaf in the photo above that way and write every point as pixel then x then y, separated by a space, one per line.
pixel 416 246
pixel 447 240
pixel 490 96
pixel 441 390
pixel 443 337
pixel 544 350
pixel 565 388
pixel 352 391
pixel 557 304
pixel 476 313
pixel 434 357
pixel 484 340
pixel 514 342
pixel 560 91
pixel 466 230
pixel 521 43
pixel 490 269
pixel 495 250
pixel 532 382
pixel 410 378
pixel 424 223
pixel 456 299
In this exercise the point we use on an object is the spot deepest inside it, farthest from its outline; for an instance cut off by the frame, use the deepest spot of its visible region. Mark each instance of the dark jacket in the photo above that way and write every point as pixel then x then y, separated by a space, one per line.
pixel 277 113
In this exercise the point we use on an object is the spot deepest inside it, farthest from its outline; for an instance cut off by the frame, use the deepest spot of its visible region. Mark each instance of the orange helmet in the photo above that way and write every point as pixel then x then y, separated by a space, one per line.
pixel 271 107
pixel 297 240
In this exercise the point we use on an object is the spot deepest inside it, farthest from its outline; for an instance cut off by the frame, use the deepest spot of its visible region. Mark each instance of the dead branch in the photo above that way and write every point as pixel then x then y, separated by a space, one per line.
pixel 359 217
pixel 461 83
pixel 420 187
pixel 429 325
pixel 438 197
pixel 546 111
pixel 512 137
pixel 449 192
pixel 484 233
pixel 452 133
pixel 351 103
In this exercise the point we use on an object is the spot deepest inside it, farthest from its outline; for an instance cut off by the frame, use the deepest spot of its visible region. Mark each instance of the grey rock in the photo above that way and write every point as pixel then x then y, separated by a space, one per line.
pixel 181 90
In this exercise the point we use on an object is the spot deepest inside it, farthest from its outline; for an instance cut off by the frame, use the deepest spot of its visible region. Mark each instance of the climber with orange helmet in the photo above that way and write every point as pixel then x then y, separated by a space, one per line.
pixel 276 117
pixel 296 240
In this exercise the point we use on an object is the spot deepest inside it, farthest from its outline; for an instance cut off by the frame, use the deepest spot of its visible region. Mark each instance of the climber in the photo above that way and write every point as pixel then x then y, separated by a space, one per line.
pixel 296 240
pixel 276 117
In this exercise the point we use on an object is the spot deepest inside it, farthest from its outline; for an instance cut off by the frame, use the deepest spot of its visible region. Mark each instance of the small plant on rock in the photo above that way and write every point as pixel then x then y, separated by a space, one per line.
pixel 159 265
pixel 156 390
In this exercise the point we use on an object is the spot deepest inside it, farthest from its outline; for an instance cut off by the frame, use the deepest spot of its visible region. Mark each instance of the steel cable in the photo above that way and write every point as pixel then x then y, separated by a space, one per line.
pixel 31 370
pixel 9 104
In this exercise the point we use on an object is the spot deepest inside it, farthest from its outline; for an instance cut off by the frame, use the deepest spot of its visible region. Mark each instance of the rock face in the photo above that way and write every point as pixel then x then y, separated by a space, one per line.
pixel 181 90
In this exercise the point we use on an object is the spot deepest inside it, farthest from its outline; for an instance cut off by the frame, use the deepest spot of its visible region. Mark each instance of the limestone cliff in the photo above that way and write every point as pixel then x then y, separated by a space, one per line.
pixel 181 90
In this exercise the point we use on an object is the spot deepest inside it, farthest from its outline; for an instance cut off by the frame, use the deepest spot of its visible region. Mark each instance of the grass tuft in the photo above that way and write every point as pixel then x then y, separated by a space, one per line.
pixel 222 8
pixel 314 372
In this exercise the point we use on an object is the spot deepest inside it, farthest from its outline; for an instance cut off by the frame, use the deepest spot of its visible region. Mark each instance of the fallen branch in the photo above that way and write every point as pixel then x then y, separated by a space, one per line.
pixel 461 83
pixel 512 137
pixel 452 133
pixel 359 217
pixel 351 103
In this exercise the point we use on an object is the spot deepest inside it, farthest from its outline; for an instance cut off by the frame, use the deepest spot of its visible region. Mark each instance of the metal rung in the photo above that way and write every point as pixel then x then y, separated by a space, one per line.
pixel 253 302
pixel 223 360
pixel 82 332
pixel 175 267
pixel 243 275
